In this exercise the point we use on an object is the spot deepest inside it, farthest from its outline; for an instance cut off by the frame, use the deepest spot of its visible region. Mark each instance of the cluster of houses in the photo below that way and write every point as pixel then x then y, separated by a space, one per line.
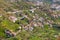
pixel 55 15
pixel 37 3
pixel 11 1
pixel 55 6
pixel 56 0
pixel 37 21
pixel 33 22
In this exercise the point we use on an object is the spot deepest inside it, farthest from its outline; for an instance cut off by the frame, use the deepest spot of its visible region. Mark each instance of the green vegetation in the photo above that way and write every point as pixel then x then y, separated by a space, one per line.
pixel 42 16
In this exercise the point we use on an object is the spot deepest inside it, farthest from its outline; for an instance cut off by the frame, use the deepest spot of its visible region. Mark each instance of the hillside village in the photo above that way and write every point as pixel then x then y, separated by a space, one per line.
pixel 26 20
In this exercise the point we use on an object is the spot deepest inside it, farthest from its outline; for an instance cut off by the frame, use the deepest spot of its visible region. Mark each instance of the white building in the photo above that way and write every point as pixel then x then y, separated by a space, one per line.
pixel 12 0
pixel 0 15
pixel 12 18
pixel 39 3
pixel 56 0
pixel 58 7
pixel 55 6
pixel 32 10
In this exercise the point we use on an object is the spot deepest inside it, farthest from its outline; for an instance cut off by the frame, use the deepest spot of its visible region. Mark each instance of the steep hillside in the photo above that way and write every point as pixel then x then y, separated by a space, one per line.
pixel 28 20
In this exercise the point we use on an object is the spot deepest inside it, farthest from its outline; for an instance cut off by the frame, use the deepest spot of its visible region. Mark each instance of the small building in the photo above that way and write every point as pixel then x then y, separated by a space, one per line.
pixel 13 1
pixel 41 19
pixel 22 18
pixel 0 15
pixel 8 33
pixel 39 3
pixel 31 28
pixel 35 25
pixel 56 0
pixel 55 7
pixel 32 10
pixel 26 28
pixel 58 7
pixel 12 18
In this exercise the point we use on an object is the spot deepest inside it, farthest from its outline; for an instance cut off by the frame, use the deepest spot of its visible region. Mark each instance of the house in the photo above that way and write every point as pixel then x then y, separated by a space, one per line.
pixel 35 25
pixel 12 18
pixel 22 18
pixel 0 15
pixel 39 3
pixel 41 19
pixel 55 7
pixel 56 0
pixel 32 10
pixel 58 7
pixel 31 28
pixel 9 33
pixel 13 0
pixel 26 27
pixel 40 24
pixel 54 15
pixel 58 15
